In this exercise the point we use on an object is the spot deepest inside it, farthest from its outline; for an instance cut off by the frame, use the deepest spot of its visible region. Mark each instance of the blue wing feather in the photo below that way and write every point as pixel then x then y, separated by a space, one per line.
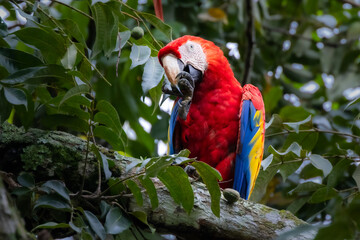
pixel 173 120
pixel 249 126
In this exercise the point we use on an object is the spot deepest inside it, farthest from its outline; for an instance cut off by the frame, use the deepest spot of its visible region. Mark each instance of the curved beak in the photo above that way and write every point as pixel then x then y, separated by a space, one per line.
pixel 172 67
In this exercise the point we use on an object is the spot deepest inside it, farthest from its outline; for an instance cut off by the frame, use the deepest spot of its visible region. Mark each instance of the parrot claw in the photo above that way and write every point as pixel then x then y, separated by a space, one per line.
pixel 191 172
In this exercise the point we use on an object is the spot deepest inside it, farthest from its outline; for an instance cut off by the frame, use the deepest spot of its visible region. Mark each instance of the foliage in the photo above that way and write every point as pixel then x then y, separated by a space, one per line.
pixel 77 68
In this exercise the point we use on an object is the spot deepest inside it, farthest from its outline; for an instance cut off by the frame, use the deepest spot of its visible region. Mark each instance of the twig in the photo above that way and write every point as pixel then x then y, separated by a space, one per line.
pixel 250 34
pixel 314 130
pixel 85 164
pixel 118 58
pixel 75 9
pixel 120 181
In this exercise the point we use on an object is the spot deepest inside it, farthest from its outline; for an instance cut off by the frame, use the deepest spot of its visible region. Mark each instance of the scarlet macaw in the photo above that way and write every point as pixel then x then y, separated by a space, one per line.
pixel 220 122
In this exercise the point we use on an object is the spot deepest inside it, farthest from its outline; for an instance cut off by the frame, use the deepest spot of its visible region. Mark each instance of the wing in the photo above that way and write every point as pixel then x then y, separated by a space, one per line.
pixel 250 147
pixel 174 145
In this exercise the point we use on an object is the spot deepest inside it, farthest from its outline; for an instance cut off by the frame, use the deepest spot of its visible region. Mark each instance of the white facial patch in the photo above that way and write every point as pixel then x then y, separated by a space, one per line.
pixel 193 54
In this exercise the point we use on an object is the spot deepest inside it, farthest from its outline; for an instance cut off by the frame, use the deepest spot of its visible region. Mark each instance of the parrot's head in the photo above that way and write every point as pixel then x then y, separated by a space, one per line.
pixel 191 54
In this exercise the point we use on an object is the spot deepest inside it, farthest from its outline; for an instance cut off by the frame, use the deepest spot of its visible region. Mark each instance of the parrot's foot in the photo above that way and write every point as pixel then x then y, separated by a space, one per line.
pixel 191 172
pixel 186 85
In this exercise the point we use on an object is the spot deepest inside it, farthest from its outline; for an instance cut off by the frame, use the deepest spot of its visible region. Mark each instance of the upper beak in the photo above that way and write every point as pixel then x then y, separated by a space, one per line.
pixel 172 66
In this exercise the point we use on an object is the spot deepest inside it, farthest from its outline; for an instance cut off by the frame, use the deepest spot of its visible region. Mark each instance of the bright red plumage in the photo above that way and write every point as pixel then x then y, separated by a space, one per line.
pixel 211 129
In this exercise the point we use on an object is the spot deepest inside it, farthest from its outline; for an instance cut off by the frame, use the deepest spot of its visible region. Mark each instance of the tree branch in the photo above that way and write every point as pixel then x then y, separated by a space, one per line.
pixel 59 155
pixel 250 35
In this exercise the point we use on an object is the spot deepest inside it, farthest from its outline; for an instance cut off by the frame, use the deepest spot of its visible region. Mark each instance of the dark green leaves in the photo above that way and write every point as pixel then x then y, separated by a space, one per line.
pixel 106 29
pixel 321 163
pixel 58 187
pixel 116 222
pixel 51 45
pixel 111 128
pixel 210 177
pixel 52 201
pixel 139 55
pixel 151 191
pixel 15 96
pixel 153 73
pixel 26 180
pixel 156 22
pixel 176 180
pixel 14 60
pixel 95 224
pixel 75 91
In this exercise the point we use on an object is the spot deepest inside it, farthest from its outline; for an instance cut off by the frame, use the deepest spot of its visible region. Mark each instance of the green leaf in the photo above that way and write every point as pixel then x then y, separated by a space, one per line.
pixel 22 75
pixel 157 23
pixel 178 184
pixel 152 75
pixel 355 101
pixel 74 227
pixel 110 136
pixel 296 125
pixel 51 45
pixel 52 201
pixel 116 186
pixel 143 218
pixel 104 160
pixel 3 28
pixel 26 180
pixel 151 191
pixel 58 187
pixel 288 168
pixel 136 191
pixel 139 55
pixel 267 161
pixel 75 91
pixel 293 114
pixel 297 75
pixel 95 224
pixel 15 96
pixel 72 29
pixel 51 225
pixel 308 187
pixel 14 60
pixel 353 31
pixel 274 122
pixel 157 166
pixel 104 208
pixel 124 37
pixel 293 148
pixel 356 176
pixel 210 177
pixel 106 25
pixel 112 119
pixel 297 204
pixel 272 97
pixel 68 60
pixel 321 163
pixel 116 222
pixel 322 195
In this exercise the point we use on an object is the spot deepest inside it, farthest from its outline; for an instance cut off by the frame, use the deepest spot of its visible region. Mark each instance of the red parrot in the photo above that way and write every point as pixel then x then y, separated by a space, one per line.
pixel 220 122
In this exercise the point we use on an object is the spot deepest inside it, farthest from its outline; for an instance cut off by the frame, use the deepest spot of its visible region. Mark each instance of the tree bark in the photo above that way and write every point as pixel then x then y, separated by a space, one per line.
pixel 59 155
pixel 11 224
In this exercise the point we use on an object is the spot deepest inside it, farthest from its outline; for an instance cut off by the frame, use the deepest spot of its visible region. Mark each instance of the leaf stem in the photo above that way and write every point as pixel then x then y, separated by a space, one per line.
pixel 73 8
